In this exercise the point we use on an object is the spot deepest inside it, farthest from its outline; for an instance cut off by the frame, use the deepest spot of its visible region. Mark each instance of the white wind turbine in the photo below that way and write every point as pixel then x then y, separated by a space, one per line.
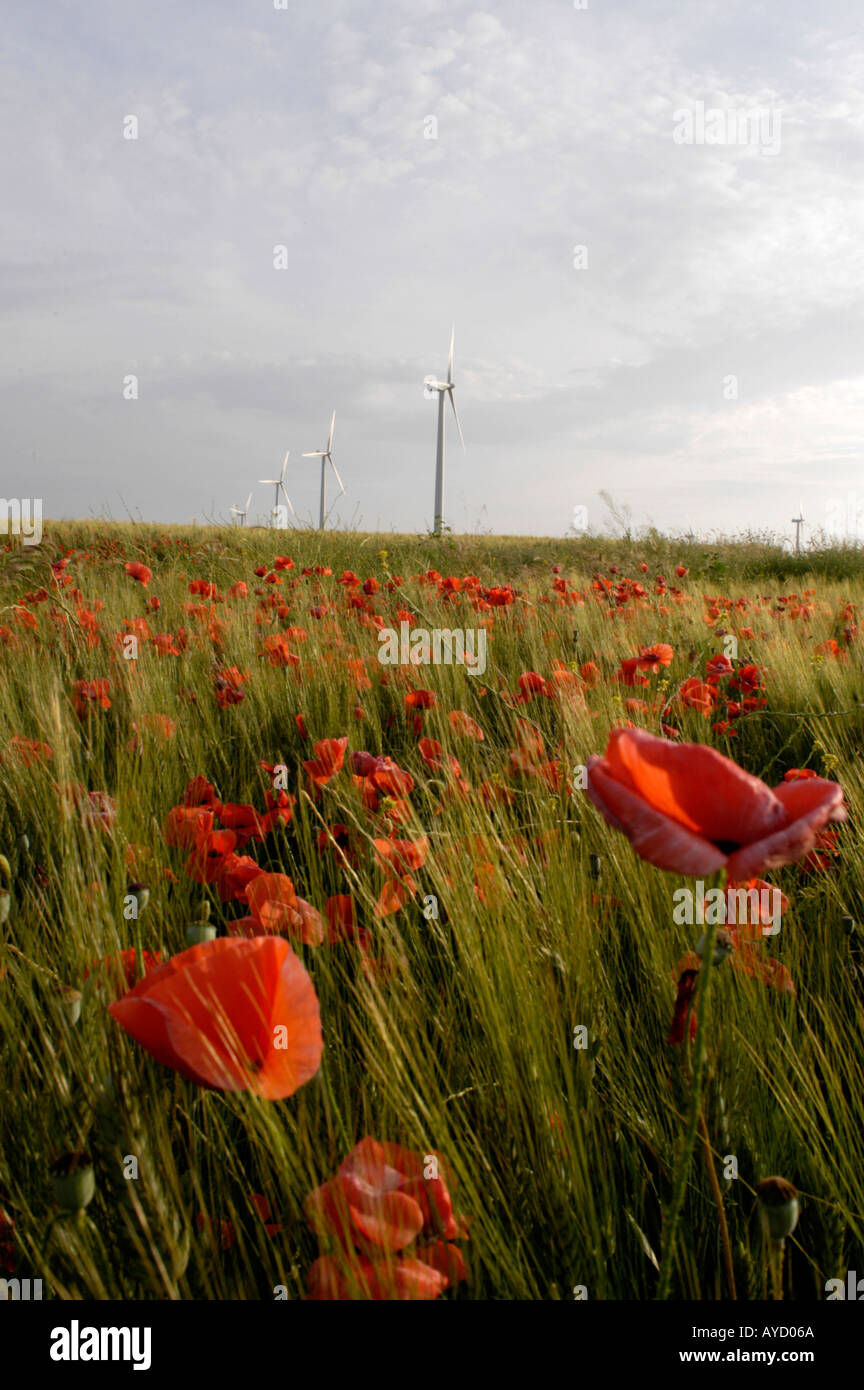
pixel 279 484
pixel 241 511
pixel 444 388
pixel 326 456
pixel 798 522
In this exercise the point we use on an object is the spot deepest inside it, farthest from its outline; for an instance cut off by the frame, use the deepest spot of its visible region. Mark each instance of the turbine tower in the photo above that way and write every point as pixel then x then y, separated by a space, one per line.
pixel 798 522
pixel 241 511
pixel 326 456
pixel 443 388
pixel 279 484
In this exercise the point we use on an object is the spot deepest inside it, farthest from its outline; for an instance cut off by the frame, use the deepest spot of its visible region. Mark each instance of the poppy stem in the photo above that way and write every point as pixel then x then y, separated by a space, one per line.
pixel 694 1111
pixel 718 1202
pixel 777 1251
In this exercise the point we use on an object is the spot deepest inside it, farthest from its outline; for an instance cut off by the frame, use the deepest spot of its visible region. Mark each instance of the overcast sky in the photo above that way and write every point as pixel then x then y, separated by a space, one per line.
pixel 424 162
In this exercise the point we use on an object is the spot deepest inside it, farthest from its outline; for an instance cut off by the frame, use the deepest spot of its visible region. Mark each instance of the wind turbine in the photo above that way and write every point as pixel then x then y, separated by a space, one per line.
pixel 444 388
pixel 326 456
pixel 798 522
pixel 241 511
pixel 279 484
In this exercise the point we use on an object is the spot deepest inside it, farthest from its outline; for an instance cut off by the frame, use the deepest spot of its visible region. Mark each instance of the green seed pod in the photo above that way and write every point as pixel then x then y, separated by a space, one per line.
pixel 723 946
pixel 203 929
pixel 5 889
pixel 141 893
pixel 779 1207
pixel 74 1181
pixel 67 1002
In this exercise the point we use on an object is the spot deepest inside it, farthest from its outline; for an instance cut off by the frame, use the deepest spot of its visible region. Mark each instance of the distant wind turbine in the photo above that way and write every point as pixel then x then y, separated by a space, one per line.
pixel 241 511
pixel 798 522
pixel 444 388
pixel 326 456
pixel 279 484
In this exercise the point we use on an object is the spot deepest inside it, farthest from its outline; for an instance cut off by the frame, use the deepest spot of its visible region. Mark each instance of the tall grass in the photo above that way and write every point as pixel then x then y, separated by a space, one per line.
pixel 461 1039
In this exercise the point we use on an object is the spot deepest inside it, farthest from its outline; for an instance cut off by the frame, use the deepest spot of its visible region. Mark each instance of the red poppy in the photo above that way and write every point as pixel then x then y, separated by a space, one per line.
pixel 276 907
pixel 328 760
pixel 185 825
pixel 683 1005
pixel 718 665
pixel 230 1015
pixel 139 572
pixel 419 699
pixel 200 792
pixel 464 725
pixel 226 685
pixel 245 821
pixel 389 779
pixel 697 694
pixel 122 966
pixel 688 809
pixel 90 693
pixel 402 856
pixel 278 651
pixel 383 1197
pixel 531 683
pixel 280 807
pixel 652 658
pixel 235 875
pixel 629 673
pixel 30 751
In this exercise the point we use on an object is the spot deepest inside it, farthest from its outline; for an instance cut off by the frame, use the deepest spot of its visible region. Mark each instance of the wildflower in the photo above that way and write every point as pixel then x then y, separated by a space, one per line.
pixel 140 572
pixel 230 1015
pixel 688 809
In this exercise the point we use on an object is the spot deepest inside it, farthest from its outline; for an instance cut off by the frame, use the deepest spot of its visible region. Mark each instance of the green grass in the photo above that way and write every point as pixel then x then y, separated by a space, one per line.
pixel 462 1040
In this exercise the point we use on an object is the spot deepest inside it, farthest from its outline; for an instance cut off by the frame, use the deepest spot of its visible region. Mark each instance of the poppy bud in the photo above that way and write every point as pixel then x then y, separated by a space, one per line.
pixel 848 925
pixel 67 1002
pixel 141 893
pixel 5 889
pixel 594 861
pixel 779 1207
pixel 723 946
pixel 74 1181
pixel 202 930
pixel 22 844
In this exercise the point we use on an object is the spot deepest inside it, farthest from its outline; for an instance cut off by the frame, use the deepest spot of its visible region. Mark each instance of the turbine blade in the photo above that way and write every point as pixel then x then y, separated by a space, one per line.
pixel 336 471
pixel 450 359
pixel 287 499
pixel 332 428
pixel 456 414
pixel 248 500
pixel 284 466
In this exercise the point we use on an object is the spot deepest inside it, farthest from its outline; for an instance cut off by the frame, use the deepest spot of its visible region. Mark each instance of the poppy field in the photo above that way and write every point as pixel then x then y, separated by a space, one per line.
pixel 340 966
